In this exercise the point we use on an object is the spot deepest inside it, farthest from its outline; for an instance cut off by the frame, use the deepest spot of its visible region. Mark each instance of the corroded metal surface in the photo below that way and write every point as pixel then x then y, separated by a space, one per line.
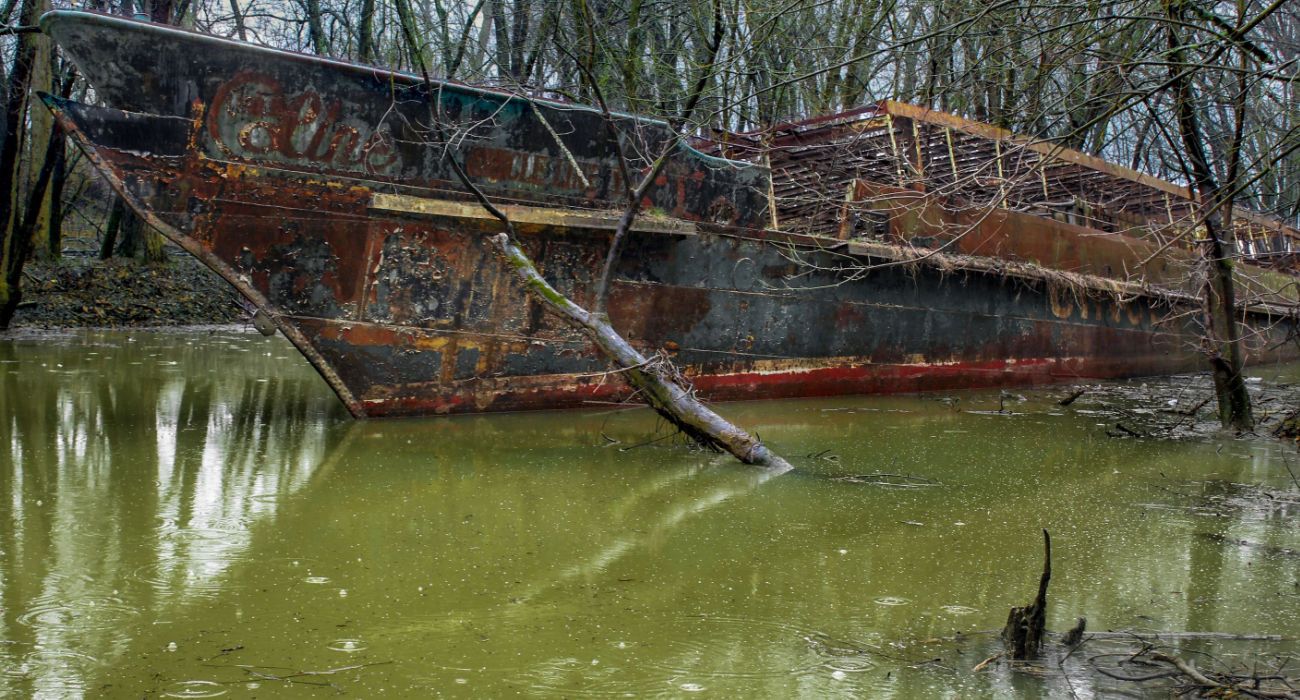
pixel 310 185
pixel 257 106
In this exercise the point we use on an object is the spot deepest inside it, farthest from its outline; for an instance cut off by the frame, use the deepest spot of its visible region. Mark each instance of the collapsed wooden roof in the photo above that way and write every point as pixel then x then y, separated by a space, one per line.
pixel 816 162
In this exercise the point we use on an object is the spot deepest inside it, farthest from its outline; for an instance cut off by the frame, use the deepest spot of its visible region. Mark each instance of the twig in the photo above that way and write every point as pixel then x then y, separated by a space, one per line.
pixel 608 372
pixel 886 479
pixel 1072 397
pixel 577 168
pixel 1287 464
pixel 1145 636
pixel 1205 682
pixel 1128 431
pixel 1134 679
pixel 293 677
pixel 1060 664
pixel 648 442
pixel 981 665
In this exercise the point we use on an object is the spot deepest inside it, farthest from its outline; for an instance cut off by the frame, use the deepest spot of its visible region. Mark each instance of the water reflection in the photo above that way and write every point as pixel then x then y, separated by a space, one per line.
pixel 184 514
pixel 130 485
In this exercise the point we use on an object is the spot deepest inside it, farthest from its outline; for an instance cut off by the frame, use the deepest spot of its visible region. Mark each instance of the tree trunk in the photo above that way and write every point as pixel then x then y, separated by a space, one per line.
pixel 238 16
pixel 519 40
pixel 155 251
pixel 501 41
pixel 162 12
pixel 40 129
pixel 479 57
pixel 21 240
pixel 58 179
pixel 13 253
pixel 1223 335
pixel 111 228
pixel 138 240
pixel 128 233
pixel 366 33
pixel 315 29
pixel 59 174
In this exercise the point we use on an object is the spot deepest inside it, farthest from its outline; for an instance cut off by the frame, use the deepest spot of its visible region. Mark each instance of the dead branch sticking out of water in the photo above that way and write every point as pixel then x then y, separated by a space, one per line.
pixel 1289 428
pixel 1074 637
pixel 1072 397
pixel 658 382
pixel 1287 464
pixel 985 663
pixel 1194 409
pixel 1026 625
pixel 1124 430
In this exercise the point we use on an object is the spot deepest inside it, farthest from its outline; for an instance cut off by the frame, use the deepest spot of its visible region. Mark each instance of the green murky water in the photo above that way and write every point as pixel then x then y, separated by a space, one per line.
pixel 193 514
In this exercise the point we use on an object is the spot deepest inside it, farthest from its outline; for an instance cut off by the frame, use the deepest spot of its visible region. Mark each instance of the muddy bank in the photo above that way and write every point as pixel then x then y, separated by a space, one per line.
pixel 1174 407
pixel 82 292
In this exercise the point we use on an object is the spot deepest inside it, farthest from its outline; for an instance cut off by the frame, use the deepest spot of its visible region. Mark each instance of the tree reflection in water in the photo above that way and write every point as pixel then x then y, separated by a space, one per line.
pixel 135 473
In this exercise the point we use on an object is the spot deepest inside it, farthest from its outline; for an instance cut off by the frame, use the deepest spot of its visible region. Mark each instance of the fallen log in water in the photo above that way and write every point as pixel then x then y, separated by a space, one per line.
pixel 655 378
pixel 1072 397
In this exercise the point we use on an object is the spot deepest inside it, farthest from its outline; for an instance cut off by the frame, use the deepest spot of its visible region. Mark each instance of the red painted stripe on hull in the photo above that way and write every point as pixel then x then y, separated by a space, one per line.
pixel 572 391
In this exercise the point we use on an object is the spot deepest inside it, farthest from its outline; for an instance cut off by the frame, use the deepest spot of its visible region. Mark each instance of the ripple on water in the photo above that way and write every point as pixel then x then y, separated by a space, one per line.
pixel 705 644
pixel 84 613
pixel 317 580
pixel 840 656
pixel 569 677
pixel 891 600
pixel 850 664
pixel 67 681
pixel 194 689
pixel 698 649
pixel 457 637
pixel 348 645
pixel 211 531
pixel 958 609
pixel 203 577
pixel 271 498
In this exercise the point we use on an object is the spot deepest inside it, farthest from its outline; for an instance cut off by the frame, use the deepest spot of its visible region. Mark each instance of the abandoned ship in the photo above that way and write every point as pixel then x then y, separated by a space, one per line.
pixel 887 249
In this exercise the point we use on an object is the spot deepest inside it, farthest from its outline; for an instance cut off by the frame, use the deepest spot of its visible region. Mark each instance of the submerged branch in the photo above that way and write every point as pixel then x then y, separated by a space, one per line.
pixel 1188 680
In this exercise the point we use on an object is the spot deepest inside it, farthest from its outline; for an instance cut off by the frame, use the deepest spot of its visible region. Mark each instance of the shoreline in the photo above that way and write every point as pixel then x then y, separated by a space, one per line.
pixel 17 332
pixel 80 291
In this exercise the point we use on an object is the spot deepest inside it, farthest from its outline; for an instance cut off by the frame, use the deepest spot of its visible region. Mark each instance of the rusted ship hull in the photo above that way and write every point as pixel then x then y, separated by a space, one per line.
pixel 315 189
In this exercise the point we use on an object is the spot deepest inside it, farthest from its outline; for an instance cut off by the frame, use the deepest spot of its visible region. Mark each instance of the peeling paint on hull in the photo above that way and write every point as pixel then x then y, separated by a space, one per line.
pixel 348 232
